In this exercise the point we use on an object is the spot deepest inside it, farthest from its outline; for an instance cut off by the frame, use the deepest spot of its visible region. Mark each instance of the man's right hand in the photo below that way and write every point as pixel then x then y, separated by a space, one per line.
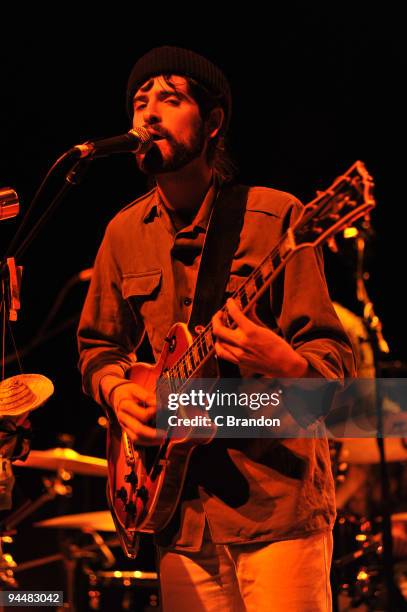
pixel 134 408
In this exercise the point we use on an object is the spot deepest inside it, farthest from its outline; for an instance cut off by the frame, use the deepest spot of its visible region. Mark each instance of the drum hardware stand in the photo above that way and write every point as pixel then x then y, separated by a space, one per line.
pixel 79 552
pixel 380 347
pixel 8 567
pixel 70 556
pixel 54 487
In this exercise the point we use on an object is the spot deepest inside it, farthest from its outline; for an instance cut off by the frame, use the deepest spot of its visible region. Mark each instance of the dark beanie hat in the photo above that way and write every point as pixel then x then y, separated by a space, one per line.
pixel 182 62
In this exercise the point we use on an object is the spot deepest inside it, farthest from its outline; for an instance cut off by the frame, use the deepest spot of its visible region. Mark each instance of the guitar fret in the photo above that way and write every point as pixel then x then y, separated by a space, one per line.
pixel 184 368
pixel 184 373
pixel 188 364
pixel 259 280
pixel 267 268
pixel 200 350
pixel 276 259
pixel 244 300
pixel 209 340
pixel 195 353
pixel 203 346
pixel 227 319
pixel 250 287
pixel 191 359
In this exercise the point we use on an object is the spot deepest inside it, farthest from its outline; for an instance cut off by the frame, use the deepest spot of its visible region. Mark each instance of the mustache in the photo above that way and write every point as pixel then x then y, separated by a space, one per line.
pixel 159 133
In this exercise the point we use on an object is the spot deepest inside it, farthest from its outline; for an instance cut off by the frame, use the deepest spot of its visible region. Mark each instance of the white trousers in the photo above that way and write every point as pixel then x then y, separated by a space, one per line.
pixel 284 576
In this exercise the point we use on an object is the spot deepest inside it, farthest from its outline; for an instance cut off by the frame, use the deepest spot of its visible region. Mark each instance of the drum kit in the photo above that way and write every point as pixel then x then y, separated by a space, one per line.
pixel 357 568
pixel 106 586
pixel 92 567
pixel 357 553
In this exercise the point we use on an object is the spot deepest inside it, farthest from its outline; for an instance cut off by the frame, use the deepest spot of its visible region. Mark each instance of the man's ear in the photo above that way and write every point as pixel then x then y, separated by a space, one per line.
pixel 215 121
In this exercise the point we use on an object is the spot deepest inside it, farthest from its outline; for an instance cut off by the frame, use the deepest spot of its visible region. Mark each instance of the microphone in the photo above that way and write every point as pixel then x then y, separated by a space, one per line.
pixel 136 140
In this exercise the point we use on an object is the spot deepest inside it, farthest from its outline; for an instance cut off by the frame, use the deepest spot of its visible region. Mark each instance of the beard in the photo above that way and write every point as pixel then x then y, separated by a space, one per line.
pixel 180 154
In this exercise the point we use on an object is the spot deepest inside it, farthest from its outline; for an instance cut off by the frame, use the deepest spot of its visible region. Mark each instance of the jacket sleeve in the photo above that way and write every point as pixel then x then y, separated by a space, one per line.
pixel 307 319
pixel 109 331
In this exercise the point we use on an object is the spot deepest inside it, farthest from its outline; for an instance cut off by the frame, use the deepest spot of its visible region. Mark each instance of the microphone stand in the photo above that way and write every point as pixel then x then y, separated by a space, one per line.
pixel 73 177
pixel 10 282
pixel 380 347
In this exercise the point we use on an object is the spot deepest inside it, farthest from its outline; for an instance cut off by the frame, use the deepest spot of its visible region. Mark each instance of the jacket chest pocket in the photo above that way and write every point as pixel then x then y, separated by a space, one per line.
pixel 146 297
pixel 141 286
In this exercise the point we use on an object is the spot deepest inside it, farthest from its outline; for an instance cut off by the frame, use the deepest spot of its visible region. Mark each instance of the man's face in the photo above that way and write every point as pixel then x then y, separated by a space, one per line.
pixel 172 116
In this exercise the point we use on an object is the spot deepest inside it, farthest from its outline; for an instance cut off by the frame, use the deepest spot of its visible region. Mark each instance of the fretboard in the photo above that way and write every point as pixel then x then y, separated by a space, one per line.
pixel 245 296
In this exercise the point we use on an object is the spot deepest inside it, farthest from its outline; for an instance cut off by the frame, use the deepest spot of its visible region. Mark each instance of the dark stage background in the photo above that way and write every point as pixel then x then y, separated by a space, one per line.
pixel 312 92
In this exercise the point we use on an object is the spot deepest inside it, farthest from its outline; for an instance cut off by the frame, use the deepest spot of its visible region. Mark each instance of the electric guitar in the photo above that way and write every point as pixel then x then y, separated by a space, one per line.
pixel 143 495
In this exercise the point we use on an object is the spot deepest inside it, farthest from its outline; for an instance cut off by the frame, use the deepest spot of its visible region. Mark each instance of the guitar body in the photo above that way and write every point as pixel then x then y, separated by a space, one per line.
pixel 142 494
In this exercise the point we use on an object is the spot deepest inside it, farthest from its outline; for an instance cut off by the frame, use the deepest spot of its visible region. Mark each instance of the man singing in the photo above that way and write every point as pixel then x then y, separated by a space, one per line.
pixel 253 528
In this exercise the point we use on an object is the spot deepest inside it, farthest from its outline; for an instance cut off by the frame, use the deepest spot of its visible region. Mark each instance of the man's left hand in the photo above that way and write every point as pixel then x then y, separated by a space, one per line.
pixel 255 347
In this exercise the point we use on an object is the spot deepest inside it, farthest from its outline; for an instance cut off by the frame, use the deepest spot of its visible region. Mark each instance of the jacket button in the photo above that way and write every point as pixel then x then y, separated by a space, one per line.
pixel 187 301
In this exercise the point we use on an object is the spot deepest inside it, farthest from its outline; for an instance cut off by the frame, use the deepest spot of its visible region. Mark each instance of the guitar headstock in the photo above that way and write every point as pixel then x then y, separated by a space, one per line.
pixel 349 198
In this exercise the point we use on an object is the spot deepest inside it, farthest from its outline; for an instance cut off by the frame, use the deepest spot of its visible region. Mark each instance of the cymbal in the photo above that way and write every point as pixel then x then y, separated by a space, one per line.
pixel 67 459
pixel 87 521
pixel 365 450
pixel 23 393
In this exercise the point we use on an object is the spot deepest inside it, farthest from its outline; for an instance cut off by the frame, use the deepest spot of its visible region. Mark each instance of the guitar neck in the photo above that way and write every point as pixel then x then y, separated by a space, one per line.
pixel 248 293
pixel 348 198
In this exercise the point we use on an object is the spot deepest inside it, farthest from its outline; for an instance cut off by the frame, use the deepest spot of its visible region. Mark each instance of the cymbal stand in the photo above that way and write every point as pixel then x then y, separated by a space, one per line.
pixel 70 556
pixel 54 486
pixel 380 347
pixel 71 553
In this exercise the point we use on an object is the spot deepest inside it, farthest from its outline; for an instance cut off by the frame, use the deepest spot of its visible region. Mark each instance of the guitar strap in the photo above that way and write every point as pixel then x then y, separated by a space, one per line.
pixel 221 242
